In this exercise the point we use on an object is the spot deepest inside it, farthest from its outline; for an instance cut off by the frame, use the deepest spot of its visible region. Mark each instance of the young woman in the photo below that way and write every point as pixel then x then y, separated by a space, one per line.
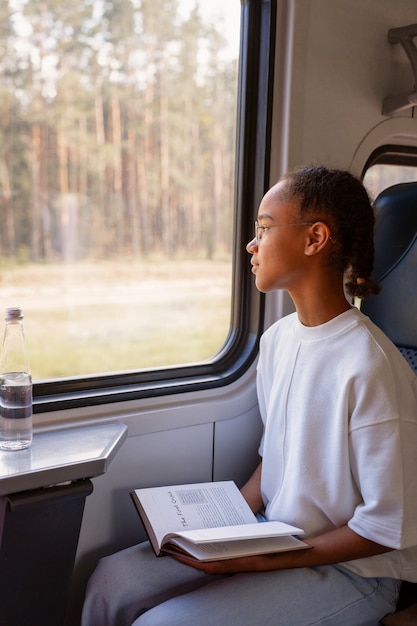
pixel 339 448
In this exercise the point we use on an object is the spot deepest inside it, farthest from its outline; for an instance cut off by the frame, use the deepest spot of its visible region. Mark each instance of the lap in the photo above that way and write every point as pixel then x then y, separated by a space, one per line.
pixel 329 596
pixel 135 585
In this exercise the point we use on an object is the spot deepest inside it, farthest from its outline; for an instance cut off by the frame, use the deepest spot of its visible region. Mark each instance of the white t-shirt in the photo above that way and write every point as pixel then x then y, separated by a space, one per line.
pixel 339 406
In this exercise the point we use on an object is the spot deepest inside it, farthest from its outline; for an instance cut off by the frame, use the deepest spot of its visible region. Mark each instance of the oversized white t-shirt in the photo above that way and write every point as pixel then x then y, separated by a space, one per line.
pixel 339 406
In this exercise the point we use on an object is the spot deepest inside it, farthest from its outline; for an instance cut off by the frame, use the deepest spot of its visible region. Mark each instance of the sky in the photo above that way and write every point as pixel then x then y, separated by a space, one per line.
pixel 219 10
pixel 227 8
pixel 216 10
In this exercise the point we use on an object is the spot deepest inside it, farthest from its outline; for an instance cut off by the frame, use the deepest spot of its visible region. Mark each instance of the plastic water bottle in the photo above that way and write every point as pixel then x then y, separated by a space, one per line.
pixel 15 386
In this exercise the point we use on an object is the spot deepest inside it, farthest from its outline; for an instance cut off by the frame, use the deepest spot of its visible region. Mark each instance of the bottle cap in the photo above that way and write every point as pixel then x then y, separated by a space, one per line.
pixel 13 313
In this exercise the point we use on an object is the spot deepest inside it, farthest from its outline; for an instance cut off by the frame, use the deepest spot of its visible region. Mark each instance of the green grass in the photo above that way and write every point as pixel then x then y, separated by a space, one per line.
pixel 93 318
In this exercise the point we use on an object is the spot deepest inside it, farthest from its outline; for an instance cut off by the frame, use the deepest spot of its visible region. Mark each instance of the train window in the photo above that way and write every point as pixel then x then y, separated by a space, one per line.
pixel 121 157
pixel 388 166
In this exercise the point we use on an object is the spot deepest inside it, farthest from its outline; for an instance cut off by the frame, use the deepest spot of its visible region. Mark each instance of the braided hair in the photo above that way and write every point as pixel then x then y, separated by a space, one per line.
pixel 339 199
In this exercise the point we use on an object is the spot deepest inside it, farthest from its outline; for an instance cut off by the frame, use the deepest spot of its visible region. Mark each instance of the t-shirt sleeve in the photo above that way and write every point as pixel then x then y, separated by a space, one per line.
pixel 383 452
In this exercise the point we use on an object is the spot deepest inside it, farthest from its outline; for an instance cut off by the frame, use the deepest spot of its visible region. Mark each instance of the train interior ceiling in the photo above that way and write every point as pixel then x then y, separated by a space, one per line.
pixel 334 94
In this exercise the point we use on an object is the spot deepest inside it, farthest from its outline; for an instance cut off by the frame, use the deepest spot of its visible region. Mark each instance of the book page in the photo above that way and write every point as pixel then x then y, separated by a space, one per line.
pixel 234 549
pixel 193 506
pixel 236 533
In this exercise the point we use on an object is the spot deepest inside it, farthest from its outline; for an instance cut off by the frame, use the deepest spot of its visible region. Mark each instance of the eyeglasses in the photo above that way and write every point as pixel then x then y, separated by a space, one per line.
pixel 260 230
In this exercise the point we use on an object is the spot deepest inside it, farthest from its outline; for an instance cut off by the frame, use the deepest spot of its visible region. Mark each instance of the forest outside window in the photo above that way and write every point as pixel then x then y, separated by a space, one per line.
pixel 117 162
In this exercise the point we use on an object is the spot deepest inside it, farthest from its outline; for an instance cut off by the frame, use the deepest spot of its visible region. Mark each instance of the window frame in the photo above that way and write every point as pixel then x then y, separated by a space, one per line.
pixel 253 148
pixel 391 154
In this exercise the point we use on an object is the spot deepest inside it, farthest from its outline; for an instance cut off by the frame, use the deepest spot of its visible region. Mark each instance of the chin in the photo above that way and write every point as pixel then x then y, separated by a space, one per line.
pixel 262 288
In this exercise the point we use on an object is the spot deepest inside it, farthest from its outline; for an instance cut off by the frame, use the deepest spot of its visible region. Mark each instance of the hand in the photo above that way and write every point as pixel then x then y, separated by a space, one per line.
pixel 335 546
pixel 228 566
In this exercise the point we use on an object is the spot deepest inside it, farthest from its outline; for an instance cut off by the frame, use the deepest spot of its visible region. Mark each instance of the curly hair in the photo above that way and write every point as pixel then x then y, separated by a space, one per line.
pixel 340 199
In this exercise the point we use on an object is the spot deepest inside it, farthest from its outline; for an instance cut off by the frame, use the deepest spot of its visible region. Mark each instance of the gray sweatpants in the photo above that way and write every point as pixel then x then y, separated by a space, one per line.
pixel 133 586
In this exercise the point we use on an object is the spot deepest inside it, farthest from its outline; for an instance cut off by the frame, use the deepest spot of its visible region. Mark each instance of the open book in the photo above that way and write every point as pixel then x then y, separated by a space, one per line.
pixel 209 522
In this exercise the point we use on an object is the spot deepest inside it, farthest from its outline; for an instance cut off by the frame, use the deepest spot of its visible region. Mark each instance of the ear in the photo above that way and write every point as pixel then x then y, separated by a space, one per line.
pixel 317 238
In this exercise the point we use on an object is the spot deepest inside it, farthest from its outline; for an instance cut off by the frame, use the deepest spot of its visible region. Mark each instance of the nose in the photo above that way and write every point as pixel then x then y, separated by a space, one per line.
pixel 252 246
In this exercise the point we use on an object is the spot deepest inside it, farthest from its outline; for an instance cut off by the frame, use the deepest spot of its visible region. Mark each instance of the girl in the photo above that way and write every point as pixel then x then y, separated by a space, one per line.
pixel 339 448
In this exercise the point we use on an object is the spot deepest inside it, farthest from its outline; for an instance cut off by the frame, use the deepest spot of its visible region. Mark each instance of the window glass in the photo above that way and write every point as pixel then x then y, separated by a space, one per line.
pixel 117 157
pixel 382 175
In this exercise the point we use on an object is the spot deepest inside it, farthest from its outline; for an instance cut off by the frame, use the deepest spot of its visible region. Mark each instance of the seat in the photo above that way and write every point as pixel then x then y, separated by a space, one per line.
pixel 394 309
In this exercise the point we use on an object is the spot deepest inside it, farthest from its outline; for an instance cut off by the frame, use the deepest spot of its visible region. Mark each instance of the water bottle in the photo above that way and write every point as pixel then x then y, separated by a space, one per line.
pixel 15 386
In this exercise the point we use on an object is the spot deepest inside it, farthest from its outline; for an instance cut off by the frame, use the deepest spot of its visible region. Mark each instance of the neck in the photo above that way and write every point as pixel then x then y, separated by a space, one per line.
pixel 318 304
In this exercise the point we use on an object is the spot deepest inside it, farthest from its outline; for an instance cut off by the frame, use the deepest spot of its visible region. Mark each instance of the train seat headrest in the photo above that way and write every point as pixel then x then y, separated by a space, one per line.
pixel 394 309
